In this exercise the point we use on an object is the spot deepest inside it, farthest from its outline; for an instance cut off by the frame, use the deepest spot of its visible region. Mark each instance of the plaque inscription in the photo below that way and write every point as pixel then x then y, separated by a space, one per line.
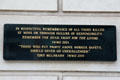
pixel 59 42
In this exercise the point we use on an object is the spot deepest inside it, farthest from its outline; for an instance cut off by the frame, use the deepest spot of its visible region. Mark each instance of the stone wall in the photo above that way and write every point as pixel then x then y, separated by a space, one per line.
pixel 80 12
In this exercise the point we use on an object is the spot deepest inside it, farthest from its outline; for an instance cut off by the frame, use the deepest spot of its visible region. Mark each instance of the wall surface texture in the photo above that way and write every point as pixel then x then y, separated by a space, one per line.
pixel 77 12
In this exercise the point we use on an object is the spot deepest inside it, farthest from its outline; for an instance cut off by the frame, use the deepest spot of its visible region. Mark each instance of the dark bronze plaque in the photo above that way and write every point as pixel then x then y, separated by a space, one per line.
pixel 59 42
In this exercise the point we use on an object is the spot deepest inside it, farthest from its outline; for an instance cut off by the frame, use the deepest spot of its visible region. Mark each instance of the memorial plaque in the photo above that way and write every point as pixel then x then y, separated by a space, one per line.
pixel 59 42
